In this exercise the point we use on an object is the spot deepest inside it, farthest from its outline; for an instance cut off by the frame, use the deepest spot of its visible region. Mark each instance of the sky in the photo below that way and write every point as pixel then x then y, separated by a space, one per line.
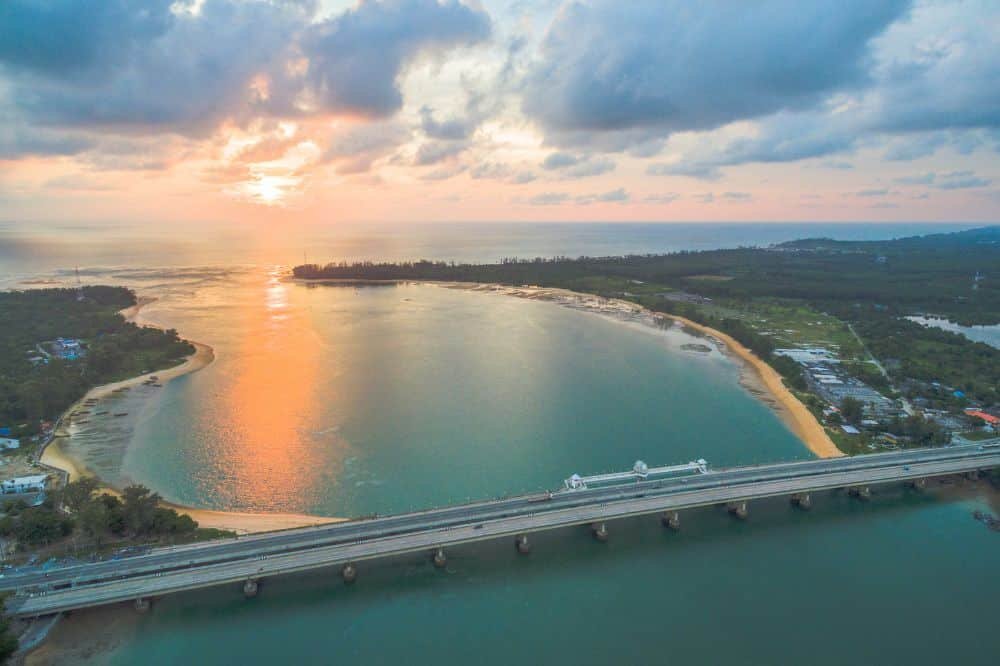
pixel 320 112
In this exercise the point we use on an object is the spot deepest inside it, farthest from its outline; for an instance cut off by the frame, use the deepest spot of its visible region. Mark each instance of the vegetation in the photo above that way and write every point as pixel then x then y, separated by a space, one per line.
pixel 8 641
pixel 79 509
pixel 114 349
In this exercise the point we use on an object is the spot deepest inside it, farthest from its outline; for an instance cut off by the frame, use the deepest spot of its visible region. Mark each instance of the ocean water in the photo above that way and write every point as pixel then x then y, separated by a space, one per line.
pixel 348 401
pixel 27 250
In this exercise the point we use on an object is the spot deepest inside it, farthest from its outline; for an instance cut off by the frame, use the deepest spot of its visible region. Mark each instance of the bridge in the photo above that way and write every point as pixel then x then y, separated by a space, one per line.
pixel 247 560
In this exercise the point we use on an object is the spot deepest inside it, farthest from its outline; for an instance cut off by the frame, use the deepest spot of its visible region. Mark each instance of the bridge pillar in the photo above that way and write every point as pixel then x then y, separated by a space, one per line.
pixel 671 519
pixel 141 605
pixel 861 492
pixel 250 588
pixel 522 545
pixel 917 484
pixel 349 573
pixel 802 500
pixel 973 475
pixel 439 559
pixel 739 509
pixel 600 531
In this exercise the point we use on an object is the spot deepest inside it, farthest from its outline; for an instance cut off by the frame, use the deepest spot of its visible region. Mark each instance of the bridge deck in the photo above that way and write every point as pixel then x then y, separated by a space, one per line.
pixel 169 570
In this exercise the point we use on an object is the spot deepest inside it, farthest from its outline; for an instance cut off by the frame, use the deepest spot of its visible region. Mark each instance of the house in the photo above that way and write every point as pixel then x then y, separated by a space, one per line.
pixel 850 430
pixel 993 421
pixel 9 443
pixel 24 484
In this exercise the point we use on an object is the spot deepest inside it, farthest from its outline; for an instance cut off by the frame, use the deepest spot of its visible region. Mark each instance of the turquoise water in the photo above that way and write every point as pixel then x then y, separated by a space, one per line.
pixel 348 401
pixel 900 580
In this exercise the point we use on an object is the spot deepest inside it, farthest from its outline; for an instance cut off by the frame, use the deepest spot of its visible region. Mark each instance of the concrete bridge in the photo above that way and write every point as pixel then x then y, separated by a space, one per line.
pixel 247 560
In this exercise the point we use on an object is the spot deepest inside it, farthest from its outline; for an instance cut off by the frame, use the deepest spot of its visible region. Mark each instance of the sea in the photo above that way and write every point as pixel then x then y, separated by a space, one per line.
pixel 347 401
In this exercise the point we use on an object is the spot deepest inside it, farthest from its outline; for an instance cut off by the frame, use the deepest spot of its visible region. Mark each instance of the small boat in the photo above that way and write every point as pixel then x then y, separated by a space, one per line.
pixel 102 413
pixel 121 414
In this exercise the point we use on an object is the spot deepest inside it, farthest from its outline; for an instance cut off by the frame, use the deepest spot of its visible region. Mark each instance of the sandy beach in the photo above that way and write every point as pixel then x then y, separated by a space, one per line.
pixel 759 378
pixel 55 454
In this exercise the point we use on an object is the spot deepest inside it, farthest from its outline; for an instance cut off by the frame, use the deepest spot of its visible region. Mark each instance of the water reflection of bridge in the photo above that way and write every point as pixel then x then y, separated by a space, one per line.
pixel 248 559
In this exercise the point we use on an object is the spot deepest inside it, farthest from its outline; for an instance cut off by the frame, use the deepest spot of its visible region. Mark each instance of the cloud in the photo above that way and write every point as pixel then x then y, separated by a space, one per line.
pixel 502 172
pixel 955 180
pixel 356 58
pixel 691 169
pixel 125 66
pixel 665 198
pixel 875 192
pixel 925 179
pixel 737 197
pixel 741 85
pixel 960 180
pixel 438 151
pixel 572 166
pixel 75 38
pixel 618 195
pixel 680 66
pixel 355 149
pixel 548 199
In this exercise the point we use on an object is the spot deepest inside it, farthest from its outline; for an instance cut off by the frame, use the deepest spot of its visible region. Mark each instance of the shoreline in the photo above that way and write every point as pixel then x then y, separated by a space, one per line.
pixel 761 380
pixel 55 456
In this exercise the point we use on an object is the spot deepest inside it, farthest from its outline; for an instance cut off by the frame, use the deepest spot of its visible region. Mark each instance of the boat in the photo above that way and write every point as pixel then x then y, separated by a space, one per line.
pixel 121 414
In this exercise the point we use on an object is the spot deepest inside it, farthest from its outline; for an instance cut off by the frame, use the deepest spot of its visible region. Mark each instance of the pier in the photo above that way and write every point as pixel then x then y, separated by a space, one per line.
pixel 338 547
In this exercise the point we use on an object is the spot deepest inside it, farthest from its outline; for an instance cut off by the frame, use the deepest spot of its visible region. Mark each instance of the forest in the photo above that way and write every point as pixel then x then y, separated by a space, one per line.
pixel 114 349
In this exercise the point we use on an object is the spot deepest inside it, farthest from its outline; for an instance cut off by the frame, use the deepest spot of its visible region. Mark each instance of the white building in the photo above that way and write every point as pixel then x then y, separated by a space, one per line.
pixel 8 443
pixel 24 484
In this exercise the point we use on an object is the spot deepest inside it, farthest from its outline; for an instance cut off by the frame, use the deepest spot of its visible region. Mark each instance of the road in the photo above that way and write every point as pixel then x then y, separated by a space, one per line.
pixel 180 568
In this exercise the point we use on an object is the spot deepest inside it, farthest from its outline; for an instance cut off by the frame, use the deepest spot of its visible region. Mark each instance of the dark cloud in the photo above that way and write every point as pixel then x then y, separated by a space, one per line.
pixel 64 38
pixel 356 58
pixel 126 67
pixel 577 166
pixel 680 66
pixel 185 79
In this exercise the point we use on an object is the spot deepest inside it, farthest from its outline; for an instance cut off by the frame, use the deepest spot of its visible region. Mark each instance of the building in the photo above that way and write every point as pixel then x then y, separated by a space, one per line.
pixel 850 430
pixel 992 421
pixel 68 349
pixel 9 443
pixel 24 484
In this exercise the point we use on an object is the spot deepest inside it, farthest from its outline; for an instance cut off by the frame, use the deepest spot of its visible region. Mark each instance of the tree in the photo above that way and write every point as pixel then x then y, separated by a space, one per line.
pixel 8 641
pixel 851 410
pixel 139 508
pixel 77 494
pixel 38 525
pixel 95 519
